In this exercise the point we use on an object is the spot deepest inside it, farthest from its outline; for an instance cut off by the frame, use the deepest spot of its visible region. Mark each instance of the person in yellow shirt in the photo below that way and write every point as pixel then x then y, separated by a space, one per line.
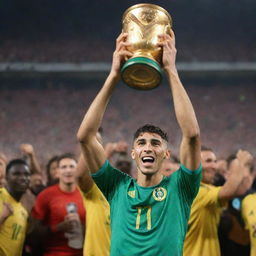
pixel 249 216
pixel 97 235
pixel 13 216
pixel 202 234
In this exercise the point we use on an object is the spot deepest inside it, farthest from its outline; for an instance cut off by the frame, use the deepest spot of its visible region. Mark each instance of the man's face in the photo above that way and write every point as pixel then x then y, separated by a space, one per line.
pixel 67 171
pixel 209 163
pixel 149 151
pixel 18 178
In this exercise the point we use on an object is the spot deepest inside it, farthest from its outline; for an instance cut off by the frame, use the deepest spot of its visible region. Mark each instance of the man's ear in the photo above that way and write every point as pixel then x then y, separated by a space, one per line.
pixel 167 154
pixel 133 154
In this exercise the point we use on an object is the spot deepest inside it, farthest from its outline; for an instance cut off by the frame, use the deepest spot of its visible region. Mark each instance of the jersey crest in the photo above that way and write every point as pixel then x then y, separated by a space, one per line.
pixel 159 194
pixel 131 193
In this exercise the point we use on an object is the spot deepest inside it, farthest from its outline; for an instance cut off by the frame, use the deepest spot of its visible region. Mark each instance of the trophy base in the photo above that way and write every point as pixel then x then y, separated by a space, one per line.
pixel 141 73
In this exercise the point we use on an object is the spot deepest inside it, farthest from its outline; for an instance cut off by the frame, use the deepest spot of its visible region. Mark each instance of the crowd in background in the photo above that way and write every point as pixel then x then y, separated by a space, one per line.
pixel 48 117
pixel 86 49
pixel 39 119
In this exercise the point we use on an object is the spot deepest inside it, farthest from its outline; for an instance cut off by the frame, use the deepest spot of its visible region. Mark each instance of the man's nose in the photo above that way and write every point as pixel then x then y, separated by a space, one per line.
pixel 148 147
pixel 23 177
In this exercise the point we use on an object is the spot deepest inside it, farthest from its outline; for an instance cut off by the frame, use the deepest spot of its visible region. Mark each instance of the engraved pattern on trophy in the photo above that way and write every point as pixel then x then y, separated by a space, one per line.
pixel 146 28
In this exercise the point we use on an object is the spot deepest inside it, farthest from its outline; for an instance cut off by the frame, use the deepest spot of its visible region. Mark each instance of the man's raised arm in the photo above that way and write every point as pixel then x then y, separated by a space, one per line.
pixel 239 169
pixel 92 149
pixel 190 145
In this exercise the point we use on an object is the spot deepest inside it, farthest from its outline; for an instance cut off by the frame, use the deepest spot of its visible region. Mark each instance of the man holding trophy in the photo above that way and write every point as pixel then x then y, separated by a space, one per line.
pixel 149 215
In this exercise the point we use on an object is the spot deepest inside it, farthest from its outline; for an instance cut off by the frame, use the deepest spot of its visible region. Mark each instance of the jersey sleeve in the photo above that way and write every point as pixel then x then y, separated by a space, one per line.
pixel 108 179
pixel 188 184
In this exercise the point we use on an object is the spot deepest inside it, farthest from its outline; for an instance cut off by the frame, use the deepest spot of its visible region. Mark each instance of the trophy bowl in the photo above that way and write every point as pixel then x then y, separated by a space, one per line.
pixel 143 23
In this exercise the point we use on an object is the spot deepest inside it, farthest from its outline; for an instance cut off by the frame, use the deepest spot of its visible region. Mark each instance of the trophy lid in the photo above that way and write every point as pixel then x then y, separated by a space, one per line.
pixel 153 6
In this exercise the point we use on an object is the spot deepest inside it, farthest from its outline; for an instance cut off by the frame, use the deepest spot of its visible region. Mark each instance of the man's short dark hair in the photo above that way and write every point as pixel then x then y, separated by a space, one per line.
pixel 66 155
pixel 13 162
pixel 151 129
pixel 205 148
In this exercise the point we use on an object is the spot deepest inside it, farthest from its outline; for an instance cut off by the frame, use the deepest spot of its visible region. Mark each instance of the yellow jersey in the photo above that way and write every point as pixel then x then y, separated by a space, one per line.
pixel 13 229
pixel 202 234
pixel 97 235
pixel 249 216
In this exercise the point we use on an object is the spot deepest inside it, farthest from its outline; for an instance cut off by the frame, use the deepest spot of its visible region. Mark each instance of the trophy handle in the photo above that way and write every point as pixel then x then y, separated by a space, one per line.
pixel 168 29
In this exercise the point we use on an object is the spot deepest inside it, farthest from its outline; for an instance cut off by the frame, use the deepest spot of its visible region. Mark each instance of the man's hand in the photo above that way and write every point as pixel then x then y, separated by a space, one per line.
pixel 241 166
pixel 27 149
pixel 121 146
pixel 121 53
pixel 70 223
pixel 116 147
pixel 167 42
pixel 245 158
pixel 7 211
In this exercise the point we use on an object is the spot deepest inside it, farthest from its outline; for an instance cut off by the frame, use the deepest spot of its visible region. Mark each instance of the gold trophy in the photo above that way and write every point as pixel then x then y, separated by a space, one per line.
pixel 143 23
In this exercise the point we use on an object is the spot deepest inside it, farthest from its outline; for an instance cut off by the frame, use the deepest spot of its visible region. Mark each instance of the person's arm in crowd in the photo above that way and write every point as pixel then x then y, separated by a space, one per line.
pixel 70 222
pixel 29 152
pixel 39 228
pixel 93 150
pixel 6 212
pixel 190 146
pixel 238 170
pixel 116 147
pixel 85 180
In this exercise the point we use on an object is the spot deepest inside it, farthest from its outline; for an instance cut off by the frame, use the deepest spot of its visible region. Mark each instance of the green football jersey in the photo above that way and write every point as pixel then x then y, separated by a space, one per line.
pixel 148 221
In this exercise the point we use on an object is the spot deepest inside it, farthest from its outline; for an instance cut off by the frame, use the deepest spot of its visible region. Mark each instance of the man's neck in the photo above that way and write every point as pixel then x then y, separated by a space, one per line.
pixel 16 195
pixel 149 180
pixel 70 187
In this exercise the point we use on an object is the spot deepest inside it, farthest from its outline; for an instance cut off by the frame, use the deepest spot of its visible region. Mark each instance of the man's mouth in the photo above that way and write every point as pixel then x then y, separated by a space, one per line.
pixel 22 185
pixel 148 159
pixel 68 175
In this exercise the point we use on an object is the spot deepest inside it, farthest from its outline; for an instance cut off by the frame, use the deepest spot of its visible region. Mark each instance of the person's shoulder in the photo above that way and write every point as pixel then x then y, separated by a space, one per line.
pixel 250 197
pixel 3 191
pixel 48 191
pixel 93 194
pixel 207 188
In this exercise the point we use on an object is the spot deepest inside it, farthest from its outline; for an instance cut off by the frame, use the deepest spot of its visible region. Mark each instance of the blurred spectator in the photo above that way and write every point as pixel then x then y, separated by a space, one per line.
pixel 52 211
pixel 170 165
pixel 97 213
pixel 37 183
pixel 40 103
pixel 51 171
pixel 29 155
pixel 234 239
pixel 115 147
pixel 124 163
pixel 221 172
pixel 13 216
pixel 202 235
